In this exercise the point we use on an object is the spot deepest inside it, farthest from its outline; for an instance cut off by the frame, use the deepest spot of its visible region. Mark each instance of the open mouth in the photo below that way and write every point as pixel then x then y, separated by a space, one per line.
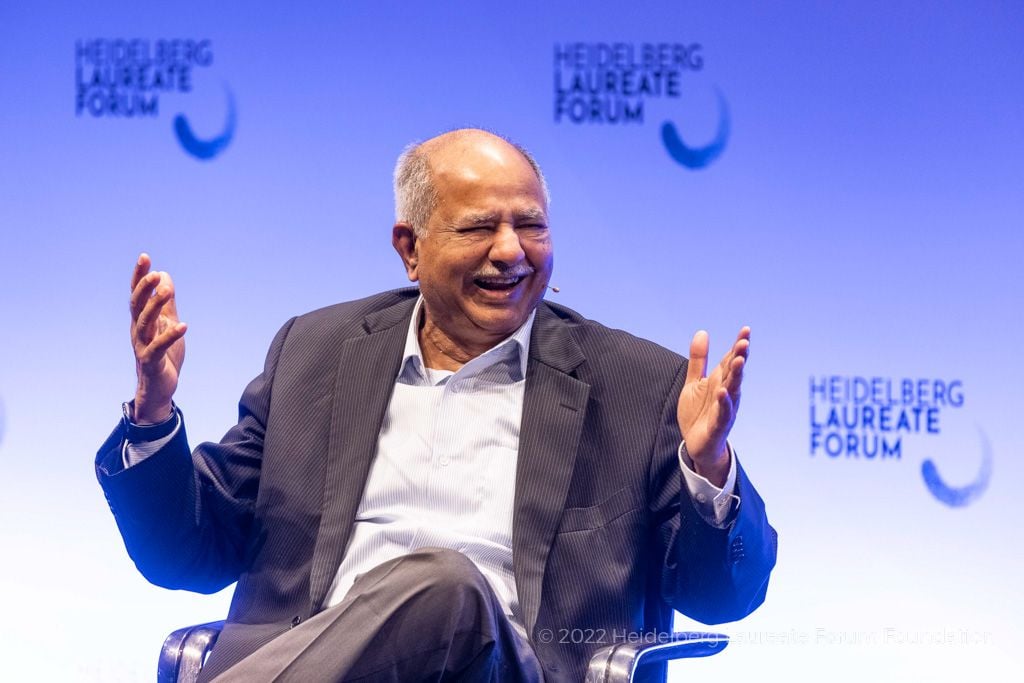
pixel 498 283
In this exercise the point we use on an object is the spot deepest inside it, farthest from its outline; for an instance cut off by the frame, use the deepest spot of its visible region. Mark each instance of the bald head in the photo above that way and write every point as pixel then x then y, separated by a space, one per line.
pixel 453 154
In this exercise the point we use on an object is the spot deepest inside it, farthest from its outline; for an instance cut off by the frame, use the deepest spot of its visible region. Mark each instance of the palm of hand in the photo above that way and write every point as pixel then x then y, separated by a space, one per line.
pixel 157 339
pixel 153 364
pixel 708 402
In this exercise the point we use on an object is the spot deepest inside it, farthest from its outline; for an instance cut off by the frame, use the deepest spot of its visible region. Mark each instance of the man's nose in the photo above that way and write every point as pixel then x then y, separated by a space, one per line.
pixel 506 247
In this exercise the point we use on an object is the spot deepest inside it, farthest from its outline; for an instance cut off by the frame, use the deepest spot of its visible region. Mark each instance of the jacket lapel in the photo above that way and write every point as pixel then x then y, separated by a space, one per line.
pixel 554 407
pixel 365 378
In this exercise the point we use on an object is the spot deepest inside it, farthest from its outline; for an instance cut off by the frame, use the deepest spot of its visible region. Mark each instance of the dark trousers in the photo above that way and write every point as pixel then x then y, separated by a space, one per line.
pixel 426 616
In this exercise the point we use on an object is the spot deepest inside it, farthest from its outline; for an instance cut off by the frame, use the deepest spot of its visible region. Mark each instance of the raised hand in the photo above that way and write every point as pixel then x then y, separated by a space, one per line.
pixel 158 342
pixel 708 404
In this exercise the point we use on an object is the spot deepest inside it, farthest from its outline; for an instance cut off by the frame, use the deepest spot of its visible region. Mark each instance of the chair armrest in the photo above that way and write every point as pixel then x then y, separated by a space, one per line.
pixel 184 652
pixel 618 663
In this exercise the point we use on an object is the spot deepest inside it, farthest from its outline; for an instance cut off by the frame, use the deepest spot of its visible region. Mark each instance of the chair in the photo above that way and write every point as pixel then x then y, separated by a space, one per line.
pixel 184 652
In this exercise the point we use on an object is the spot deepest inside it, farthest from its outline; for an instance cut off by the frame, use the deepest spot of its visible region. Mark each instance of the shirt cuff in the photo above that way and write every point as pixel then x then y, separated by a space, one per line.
pixel 142 441
pixel 714 504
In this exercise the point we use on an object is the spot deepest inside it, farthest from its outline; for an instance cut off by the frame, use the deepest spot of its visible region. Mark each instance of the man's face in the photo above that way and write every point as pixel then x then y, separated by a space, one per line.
pixel 486 256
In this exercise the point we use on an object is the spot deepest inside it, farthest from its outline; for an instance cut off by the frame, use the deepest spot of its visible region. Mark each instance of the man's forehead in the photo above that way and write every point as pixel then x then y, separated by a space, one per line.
pixel 469 154
pixel 463 139
pixel 482 179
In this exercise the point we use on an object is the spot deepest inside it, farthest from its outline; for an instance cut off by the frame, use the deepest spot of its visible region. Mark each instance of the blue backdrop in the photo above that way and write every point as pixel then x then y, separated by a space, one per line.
pixel 846 177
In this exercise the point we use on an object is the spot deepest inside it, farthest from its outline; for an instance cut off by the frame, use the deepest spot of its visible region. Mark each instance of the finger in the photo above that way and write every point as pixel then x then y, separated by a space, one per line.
pixel 740 347
pixel 141 268
pixel 162 300
pixel 726 408
pixel 698 357
pixel 142 293
pixel 734 377
pixel 719 411
pixel 734 406
pixel 742 344
pixel 741 350
pixel 146 326
pixel 171 307
pixel 158 347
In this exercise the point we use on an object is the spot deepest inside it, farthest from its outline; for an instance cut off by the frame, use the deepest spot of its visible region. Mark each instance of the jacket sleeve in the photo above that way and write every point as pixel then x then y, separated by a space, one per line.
pixel 710 574
pixel 185 518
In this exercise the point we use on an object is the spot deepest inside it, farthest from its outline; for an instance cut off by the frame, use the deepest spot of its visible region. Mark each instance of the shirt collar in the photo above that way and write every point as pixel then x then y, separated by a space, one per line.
pixel 515 347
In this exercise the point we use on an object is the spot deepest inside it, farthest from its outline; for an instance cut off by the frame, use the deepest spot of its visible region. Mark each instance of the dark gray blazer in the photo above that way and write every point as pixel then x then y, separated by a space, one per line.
pixel 606 540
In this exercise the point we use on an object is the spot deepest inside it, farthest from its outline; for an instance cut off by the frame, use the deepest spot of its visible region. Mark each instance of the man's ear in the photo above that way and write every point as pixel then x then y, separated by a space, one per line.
pixel 403 239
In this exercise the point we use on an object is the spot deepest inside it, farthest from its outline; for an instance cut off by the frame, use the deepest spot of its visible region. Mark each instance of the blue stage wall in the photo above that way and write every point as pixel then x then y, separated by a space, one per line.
pixel 846 178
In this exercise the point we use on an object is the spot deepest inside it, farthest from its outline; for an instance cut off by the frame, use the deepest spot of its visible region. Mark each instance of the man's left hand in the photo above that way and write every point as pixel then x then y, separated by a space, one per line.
pixel 708 405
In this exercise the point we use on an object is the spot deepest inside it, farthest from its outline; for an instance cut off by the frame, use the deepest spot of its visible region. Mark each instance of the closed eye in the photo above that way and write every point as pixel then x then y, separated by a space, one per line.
pixel 532 228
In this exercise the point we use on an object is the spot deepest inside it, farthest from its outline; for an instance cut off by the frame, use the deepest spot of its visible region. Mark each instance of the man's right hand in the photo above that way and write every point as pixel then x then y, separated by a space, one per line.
pixel 158 339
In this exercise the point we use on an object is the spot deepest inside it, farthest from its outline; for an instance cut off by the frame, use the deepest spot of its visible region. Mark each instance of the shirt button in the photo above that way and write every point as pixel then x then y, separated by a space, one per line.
pixel 296 621
pixel 702 498
pixel 444 461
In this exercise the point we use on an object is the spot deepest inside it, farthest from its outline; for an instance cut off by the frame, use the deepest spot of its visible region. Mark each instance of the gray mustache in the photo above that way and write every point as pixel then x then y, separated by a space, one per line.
pixel 518 271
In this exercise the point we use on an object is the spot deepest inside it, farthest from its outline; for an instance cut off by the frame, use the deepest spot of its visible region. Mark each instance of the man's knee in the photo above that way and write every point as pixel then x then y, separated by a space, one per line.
pixel 447 568
pixel 439 600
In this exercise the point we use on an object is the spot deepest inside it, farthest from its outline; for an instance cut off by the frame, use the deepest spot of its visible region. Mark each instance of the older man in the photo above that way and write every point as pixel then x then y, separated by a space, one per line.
pixel 444 482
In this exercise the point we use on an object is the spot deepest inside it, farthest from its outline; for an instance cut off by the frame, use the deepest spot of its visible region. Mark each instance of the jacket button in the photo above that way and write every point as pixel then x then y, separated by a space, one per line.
pixel 296 621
